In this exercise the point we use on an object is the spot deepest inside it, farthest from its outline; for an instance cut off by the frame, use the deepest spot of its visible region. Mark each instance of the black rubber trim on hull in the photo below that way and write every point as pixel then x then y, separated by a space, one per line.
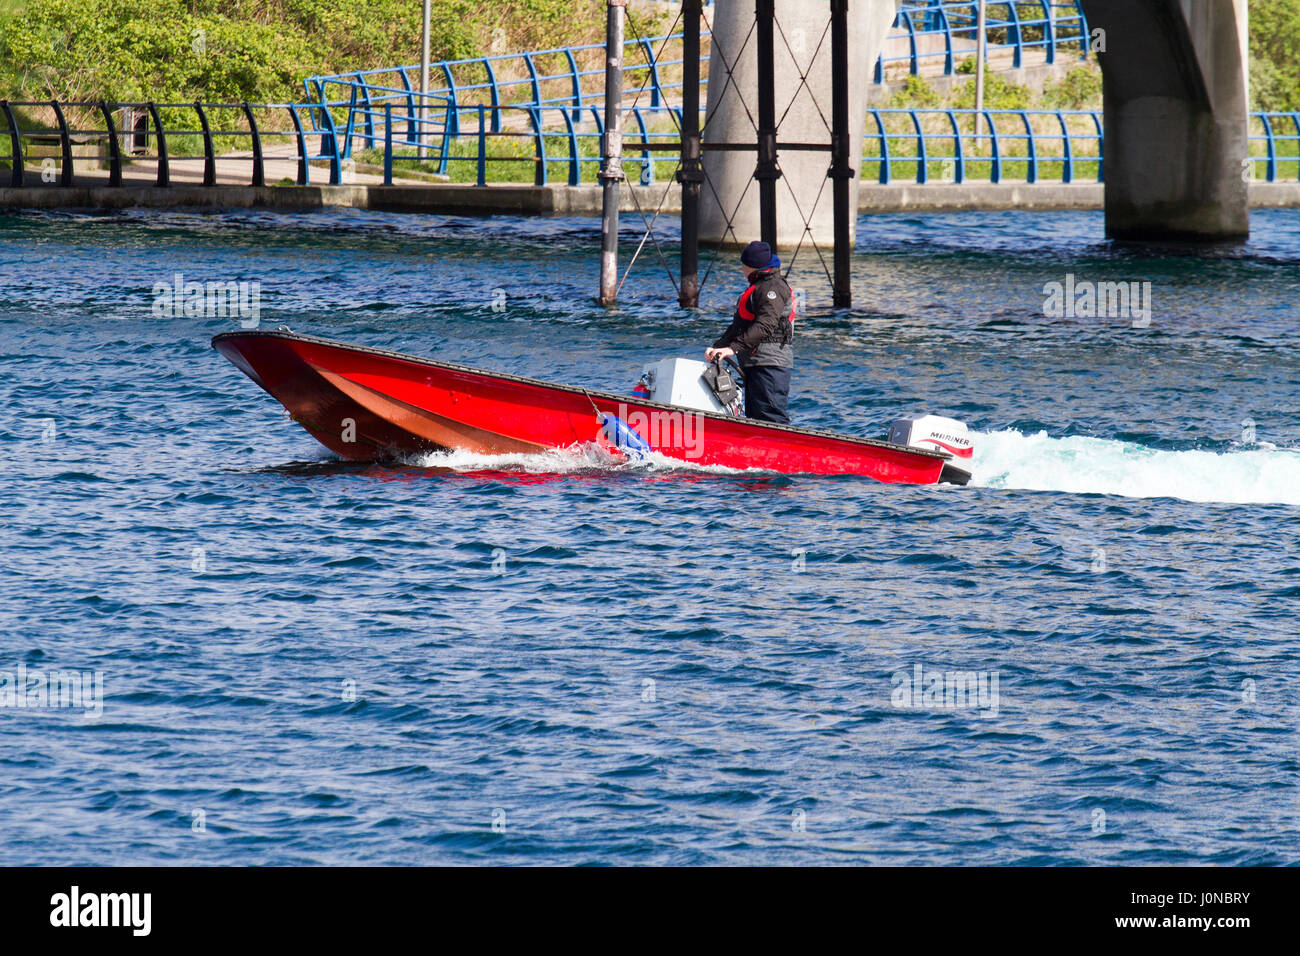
pixel 952 475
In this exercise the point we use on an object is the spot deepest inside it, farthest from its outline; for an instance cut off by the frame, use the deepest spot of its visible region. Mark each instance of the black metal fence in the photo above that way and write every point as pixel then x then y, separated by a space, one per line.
pixel 133 131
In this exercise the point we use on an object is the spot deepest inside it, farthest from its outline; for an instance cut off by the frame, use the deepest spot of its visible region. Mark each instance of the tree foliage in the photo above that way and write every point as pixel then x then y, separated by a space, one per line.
pixel 262 49
pixel 257 50
pixel 1275 54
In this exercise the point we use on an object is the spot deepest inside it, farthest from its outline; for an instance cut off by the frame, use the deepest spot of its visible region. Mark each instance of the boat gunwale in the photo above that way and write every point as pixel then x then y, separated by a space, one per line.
pixel 572 389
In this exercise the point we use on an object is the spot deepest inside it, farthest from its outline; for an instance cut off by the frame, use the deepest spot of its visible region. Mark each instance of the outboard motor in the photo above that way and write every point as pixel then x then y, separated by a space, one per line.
pixel 691 384
pixel 934 433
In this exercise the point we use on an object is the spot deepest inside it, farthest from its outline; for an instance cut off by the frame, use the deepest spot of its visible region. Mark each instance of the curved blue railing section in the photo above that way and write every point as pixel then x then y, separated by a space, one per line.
pixel 524 79
pixel 1277 137
pixel 932 30
pixel 573 77
pixel 927 29
pixel 555 136
pixel 956 146
pixel 569 77
pixel 899 145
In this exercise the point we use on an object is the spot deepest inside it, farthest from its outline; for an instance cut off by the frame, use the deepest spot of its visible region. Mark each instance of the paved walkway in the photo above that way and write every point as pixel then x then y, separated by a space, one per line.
pixel 280 163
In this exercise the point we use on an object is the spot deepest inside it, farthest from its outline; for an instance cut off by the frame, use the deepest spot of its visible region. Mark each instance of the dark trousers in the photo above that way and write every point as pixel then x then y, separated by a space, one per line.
pixel 767 391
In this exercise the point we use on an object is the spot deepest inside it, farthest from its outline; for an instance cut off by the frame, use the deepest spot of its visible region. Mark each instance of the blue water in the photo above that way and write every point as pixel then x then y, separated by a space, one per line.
pixel 547 660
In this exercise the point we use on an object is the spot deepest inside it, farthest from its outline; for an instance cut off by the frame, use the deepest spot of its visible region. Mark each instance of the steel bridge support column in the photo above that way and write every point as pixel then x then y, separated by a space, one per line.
pixel 611 168
pixel 1176 108
pixel 800 114
pixel 691 173
pixel 841 171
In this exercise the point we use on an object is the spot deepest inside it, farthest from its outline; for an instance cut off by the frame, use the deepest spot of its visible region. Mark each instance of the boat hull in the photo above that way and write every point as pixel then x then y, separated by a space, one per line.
pixel 367 404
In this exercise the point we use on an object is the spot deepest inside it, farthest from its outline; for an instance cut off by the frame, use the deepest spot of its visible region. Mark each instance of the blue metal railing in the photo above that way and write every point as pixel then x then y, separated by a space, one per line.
pixel 1277 137
pixel 555 134
pixel 899 146
pixel 956 146
pixel 931 30
pixel 524 80
pixel 428 119
pixel 493 79
pixel 928 29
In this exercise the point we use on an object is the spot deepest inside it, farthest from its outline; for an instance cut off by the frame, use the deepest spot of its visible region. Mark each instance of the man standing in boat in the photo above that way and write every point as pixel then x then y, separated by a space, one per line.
pixel 761 336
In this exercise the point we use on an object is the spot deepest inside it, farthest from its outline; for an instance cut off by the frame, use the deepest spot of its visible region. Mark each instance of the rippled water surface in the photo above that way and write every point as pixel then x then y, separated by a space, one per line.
pixel 547 660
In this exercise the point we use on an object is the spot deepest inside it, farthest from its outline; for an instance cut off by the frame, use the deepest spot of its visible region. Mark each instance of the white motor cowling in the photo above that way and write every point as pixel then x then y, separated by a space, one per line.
pixel 935 433
pixel 680 381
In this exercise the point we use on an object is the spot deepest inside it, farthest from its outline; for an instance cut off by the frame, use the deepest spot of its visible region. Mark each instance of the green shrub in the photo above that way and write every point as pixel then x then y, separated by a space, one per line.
pixel 998 94
pixel 258 50
pixel 916 94
pixel 1080 89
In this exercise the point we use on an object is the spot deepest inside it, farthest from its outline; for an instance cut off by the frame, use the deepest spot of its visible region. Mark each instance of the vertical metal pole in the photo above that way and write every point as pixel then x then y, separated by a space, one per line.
pixel 481 175
pixel 424 82
pixel 841 170
pixel 766 172
pixel 981 54
pixel 691 173
pixel 388 144
pixel 611 167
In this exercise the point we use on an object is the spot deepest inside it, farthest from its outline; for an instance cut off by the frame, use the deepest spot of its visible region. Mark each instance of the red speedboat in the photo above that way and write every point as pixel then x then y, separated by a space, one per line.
pixel 369 404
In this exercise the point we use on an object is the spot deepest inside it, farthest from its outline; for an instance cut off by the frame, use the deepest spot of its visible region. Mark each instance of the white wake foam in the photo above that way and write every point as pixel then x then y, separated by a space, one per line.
pixel 1009 459
pixel 1004 459
pixel 577 459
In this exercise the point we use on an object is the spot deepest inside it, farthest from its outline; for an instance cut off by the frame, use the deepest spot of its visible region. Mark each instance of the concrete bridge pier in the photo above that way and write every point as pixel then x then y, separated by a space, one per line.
pixel 803 114
pixel 1176 115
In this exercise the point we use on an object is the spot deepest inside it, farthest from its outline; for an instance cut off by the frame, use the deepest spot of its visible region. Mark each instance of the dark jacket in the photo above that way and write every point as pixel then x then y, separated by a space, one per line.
pixel 762 328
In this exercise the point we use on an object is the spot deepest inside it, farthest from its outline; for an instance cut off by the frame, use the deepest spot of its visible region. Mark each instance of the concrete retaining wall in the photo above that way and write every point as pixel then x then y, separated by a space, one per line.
pixel 456 199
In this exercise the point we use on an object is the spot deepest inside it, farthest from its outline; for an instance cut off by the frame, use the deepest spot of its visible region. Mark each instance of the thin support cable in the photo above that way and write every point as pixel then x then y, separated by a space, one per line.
pixel 651 60
pixel 649 234
pixel 803 76
pixel 729 67
pixel 730 219
pixel 718 199
pixel 650 63
pixel 729 228
pixel 807 228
